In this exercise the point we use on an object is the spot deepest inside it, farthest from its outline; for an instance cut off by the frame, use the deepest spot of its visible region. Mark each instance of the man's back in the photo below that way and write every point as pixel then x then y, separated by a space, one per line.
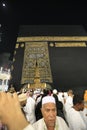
pixel 75 120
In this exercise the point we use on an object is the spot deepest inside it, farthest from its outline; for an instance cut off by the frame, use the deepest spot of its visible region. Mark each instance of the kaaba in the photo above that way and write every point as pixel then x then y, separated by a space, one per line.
pixel 60 52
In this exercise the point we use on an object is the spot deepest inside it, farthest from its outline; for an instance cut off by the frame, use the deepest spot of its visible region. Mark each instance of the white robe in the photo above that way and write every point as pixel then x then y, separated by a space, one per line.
pixel 29 110
pixel 75 120
pixel 84 115
pixel 40 125
pixel 69 101
pixel 29 127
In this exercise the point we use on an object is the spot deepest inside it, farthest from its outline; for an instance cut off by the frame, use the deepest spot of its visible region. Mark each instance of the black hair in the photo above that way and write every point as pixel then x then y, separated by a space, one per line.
pixel 77 99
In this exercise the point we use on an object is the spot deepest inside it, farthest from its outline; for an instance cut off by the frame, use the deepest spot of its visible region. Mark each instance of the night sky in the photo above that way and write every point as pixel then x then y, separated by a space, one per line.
pixel 16 13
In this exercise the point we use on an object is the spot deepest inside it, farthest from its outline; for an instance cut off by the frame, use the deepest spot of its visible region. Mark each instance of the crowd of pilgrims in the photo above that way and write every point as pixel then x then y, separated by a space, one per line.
pixel 70 106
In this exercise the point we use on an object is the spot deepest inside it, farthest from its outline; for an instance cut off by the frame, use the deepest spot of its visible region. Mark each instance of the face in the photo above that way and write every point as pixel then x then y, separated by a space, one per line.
pixel 81 106
pixel 49 113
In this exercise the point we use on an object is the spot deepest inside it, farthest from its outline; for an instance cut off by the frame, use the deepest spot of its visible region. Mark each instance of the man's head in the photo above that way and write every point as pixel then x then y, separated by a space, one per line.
pixel 70 92
pixel 78 102
pixel 49 111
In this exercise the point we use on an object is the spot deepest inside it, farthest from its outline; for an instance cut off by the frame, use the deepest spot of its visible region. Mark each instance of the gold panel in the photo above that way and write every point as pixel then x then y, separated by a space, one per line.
pixel 70 44
pixel 52 38
pixel 36 52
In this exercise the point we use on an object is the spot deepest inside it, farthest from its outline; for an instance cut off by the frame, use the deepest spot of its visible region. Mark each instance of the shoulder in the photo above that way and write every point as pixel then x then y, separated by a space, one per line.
pixel 61 122
pixel 29 127
pixel 38 122
pixel 39 125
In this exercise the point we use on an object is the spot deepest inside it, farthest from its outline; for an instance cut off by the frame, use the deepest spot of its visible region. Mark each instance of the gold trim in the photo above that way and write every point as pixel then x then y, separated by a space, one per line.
pixel 13 59
pixel 17 45
pixel 22 45
pixel 15 52
pixel 51 44
pixel 70 44
pixel 12 67
pixel 52 38
pixel 11 77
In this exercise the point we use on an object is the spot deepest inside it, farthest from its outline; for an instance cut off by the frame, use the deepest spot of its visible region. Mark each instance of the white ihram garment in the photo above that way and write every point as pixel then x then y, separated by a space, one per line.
pixel 40 125
pixel 74 119
pixel 29 110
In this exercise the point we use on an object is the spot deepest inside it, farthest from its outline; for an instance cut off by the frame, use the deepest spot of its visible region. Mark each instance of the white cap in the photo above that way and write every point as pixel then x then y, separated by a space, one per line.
pixel 22 97
pixel 48 99
pixel 54 91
